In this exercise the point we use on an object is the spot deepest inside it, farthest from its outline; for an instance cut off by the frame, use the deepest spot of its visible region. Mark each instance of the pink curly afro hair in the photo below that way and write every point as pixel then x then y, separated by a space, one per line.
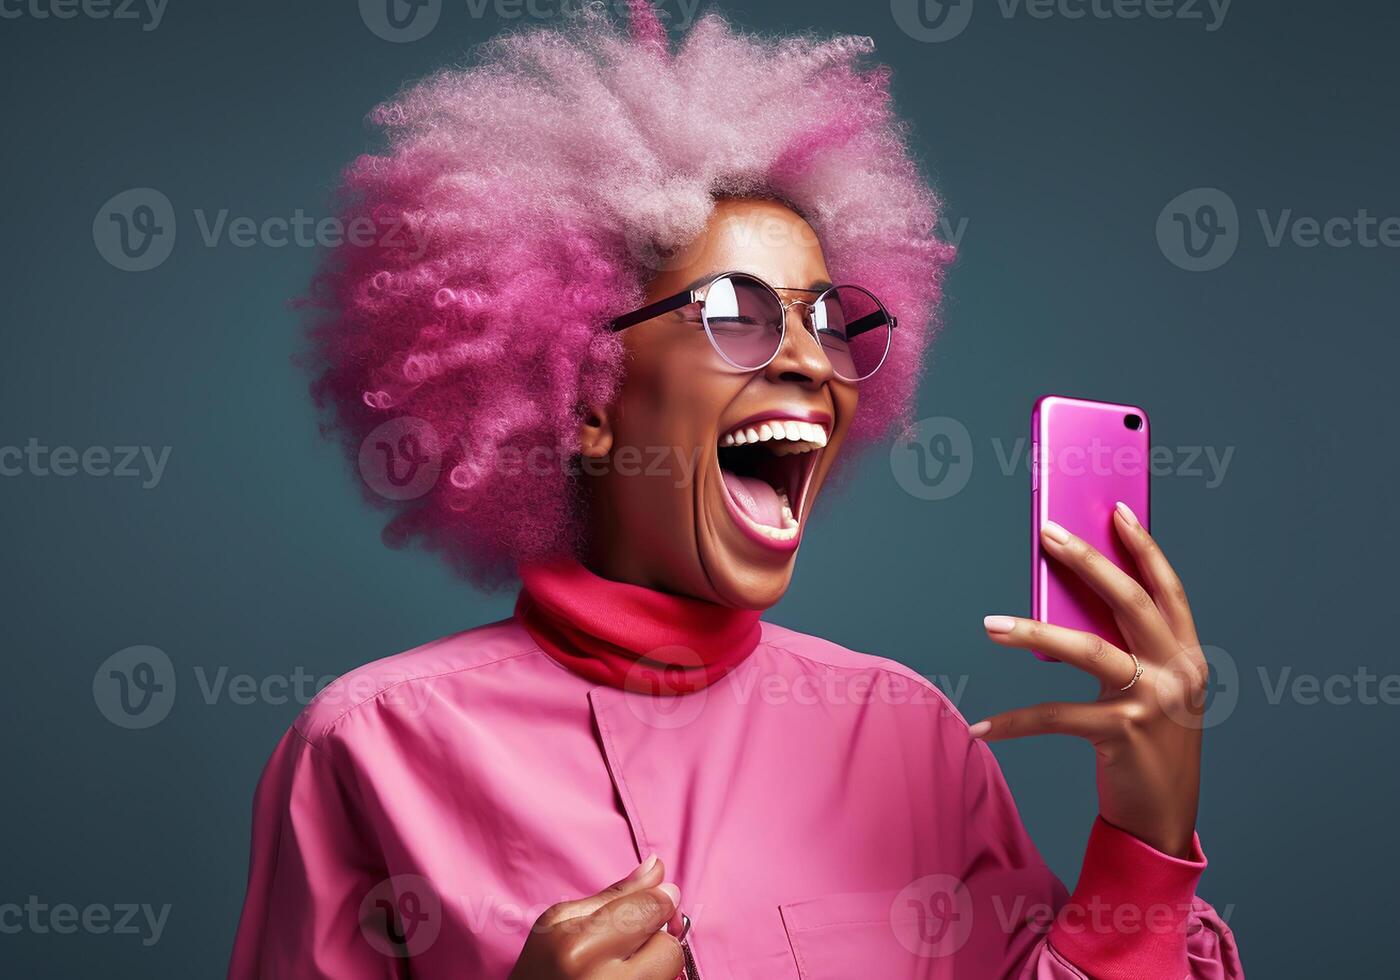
pixel 522 203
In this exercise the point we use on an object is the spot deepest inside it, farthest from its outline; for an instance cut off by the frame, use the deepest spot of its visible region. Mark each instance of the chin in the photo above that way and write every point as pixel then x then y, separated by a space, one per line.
pixel 751 588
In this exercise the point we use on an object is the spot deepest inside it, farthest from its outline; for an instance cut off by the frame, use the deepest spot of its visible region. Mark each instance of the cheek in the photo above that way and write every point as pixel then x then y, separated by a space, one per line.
pixel 650 410
pixel 674 397
pixel 655 363
pixel 846 398
pixel 662 431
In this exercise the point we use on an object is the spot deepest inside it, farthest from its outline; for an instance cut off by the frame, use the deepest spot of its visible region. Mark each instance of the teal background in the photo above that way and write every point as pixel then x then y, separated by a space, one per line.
pixel 1058 140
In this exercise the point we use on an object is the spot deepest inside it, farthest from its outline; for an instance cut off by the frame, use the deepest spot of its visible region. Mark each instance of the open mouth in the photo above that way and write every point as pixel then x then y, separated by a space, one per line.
pixel 766 465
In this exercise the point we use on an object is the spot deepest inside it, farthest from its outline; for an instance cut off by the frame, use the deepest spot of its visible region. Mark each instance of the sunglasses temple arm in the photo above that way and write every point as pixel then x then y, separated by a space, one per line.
pixel 654 309
pixel 868 322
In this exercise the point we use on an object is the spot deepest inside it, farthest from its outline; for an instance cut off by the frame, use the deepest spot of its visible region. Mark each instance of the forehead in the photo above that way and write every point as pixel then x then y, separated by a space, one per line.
pixel 765 238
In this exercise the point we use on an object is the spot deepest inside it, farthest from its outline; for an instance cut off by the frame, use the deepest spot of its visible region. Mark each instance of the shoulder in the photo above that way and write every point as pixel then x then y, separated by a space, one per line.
pixel 895 679
pixel 408 678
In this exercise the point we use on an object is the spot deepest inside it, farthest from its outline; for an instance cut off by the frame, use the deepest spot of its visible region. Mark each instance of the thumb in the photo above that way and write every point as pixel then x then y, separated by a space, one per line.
pixel 648 874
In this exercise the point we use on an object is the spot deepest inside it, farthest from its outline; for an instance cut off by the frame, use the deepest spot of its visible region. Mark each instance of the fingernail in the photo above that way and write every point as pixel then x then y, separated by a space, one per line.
pixel 672 892
pixel 1056 533
pixel 979 729
pixel 998 624
pixel 1126 512
pixel 641 870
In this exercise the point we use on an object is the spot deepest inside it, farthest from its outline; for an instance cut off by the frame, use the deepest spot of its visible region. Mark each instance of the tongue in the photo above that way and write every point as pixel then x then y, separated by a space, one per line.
pixel 755 498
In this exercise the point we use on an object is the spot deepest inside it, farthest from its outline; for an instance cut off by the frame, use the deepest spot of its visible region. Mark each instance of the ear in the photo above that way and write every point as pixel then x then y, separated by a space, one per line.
pixel 595 436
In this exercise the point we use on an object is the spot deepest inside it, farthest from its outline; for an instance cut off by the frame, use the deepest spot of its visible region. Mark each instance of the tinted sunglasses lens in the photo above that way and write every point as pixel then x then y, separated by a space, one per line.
pixel 745 320
pixel 854 330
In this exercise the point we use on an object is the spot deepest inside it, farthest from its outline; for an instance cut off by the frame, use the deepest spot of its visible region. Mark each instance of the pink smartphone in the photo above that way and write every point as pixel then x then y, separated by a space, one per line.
pixel 1085 457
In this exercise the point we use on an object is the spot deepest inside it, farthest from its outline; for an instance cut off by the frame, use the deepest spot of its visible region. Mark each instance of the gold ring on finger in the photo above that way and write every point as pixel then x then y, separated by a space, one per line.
pixel 1137 672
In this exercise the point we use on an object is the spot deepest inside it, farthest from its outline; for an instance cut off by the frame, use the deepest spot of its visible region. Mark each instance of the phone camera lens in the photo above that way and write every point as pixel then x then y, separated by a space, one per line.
pixel 1133 421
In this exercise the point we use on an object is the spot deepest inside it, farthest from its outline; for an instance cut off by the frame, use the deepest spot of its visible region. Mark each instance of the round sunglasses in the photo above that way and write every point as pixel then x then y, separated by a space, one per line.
pixel 746 321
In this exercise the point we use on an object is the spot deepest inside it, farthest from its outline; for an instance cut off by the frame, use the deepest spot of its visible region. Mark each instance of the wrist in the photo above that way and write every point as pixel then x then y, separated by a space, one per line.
pixel 1176 841
pixel 1169 828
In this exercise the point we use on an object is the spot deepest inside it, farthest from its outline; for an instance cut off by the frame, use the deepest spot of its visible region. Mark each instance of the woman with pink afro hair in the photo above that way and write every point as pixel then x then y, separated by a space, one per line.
pixel 624 307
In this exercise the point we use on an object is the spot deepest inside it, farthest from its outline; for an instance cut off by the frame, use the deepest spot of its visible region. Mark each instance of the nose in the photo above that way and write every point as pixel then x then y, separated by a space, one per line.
pixel 801 359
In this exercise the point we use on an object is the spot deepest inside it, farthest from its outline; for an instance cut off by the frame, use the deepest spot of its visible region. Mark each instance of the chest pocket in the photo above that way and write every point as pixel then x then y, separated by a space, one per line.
pixel 910 934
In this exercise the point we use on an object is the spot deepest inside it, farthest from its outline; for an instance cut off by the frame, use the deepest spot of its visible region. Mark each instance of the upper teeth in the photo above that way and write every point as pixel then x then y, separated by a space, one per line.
pixel 780 430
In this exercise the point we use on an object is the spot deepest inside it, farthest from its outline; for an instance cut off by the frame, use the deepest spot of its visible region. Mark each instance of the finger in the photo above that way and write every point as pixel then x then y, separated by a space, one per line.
pixel 1158 575
pixel 659 958
pixel 1089 652
pixel 1092 721
pixel 1132 606
pixel 648 874
pixel 618 929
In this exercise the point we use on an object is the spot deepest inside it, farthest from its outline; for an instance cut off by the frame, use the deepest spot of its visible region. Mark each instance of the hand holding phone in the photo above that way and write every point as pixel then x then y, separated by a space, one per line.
pixel 1096 566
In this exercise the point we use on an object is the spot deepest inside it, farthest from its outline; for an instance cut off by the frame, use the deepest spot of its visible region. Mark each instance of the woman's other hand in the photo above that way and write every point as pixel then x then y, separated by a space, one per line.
pixel 613 935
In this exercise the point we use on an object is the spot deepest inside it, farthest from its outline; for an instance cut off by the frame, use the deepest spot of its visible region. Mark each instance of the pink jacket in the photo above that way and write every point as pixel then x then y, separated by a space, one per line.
pixel 825 814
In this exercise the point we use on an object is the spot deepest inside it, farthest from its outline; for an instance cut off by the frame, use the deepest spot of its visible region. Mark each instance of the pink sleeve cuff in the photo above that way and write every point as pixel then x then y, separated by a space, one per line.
pixel 1128 916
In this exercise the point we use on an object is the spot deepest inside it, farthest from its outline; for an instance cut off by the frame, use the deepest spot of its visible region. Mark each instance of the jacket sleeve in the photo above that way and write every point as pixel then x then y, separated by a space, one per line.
pixel 311 877
pixel 1133 915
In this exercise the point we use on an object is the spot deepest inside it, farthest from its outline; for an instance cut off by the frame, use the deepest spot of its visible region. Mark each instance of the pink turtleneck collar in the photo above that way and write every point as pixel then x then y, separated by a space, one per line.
pixel 629 636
